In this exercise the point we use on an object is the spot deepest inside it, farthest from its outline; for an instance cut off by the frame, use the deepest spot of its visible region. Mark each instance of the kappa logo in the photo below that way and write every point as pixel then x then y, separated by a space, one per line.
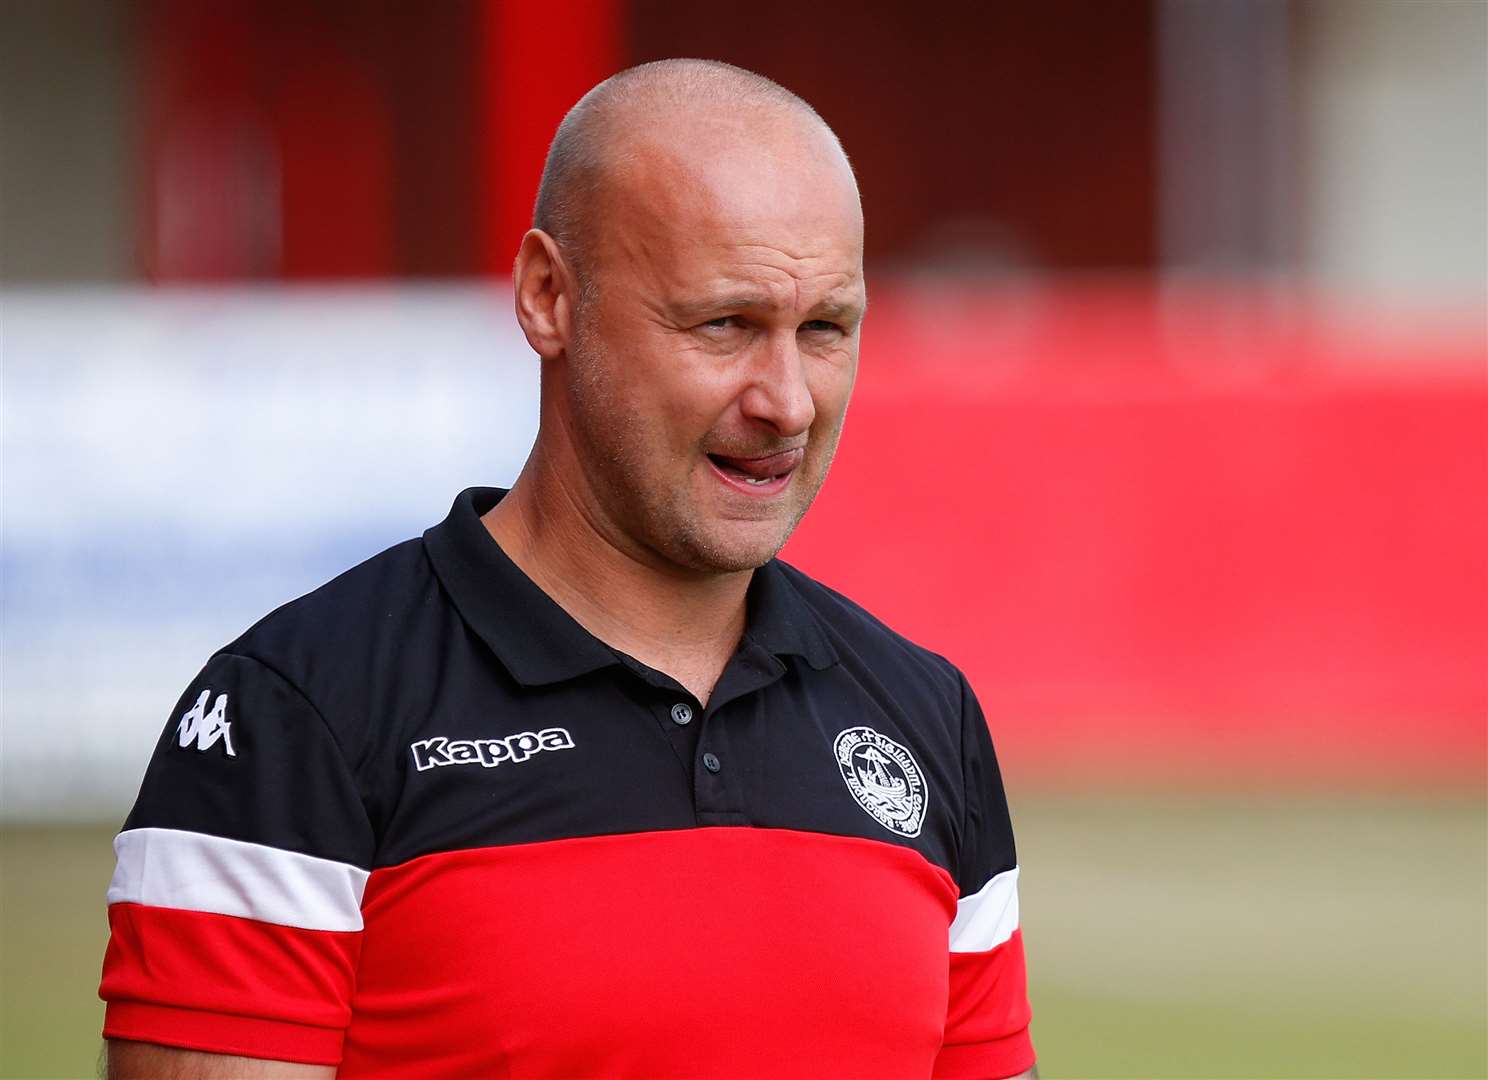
pixel 206 728
pixel 883 778
pixel 488 753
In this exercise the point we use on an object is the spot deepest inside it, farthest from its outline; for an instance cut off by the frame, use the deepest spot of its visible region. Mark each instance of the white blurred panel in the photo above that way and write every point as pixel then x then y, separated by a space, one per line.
pixel 178 463
pixel 1396 150
pixel 1226 159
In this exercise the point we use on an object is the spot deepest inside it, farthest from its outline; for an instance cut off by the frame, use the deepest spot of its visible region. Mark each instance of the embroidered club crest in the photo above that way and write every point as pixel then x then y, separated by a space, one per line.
pixel 883 777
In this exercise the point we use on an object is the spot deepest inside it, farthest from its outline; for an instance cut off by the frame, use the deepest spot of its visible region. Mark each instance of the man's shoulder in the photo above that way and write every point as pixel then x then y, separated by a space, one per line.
pixel 355 601
pixel 859 635
pixel 362 616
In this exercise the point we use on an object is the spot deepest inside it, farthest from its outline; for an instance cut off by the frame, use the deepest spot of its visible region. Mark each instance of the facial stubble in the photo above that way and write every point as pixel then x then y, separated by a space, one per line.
pixel 619 440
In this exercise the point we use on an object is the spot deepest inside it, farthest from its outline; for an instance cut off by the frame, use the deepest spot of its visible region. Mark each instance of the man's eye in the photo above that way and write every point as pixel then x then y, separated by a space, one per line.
pixel 723 322
pixel 820 326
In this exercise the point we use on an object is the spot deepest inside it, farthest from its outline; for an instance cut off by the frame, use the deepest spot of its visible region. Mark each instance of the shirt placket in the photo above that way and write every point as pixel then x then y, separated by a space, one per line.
pixel 720 761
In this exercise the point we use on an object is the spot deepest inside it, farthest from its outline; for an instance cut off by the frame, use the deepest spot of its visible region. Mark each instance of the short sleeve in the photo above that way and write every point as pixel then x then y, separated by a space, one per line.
pixel 987 1015
pixel 235 907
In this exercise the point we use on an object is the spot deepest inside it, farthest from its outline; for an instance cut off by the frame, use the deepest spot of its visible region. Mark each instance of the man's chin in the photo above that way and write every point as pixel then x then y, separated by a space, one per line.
pixel 733 547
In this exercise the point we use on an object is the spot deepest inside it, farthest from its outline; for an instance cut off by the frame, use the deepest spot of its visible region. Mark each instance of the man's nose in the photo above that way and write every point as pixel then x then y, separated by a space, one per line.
pixel 778 393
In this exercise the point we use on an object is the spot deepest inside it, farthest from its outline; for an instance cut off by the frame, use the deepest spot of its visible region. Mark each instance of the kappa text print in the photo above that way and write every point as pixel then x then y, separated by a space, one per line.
pixel 432 753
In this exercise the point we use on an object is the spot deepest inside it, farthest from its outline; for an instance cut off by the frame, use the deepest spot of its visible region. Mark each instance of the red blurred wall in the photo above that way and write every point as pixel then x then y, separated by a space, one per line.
pixel 1159 538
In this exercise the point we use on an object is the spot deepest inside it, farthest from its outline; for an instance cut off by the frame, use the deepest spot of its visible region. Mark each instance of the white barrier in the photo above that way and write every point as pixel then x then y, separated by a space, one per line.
pixel 178 463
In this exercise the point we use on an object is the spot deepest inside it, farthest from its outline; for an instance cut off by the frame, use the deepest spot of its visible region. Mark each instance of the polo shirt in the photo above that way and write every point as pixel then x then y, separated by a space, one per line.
pixel 421 822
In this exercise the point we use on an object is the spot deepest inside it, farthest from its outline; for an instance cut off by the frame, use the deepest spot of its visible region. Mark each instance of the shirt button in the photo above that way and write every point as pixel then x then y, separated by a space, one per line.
pixel 681 713
pixel 711 762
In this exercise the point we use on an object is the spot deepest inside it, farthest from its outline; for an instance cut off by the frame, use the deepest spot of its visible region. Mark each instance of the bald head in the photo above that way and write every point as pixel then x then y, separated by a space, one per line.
pixel 666 101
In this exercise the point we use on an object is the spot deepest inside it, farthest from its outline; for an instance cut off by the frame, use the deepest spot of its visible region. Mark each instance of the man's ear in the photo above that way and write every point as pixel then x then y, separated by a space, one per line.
pixel 546 294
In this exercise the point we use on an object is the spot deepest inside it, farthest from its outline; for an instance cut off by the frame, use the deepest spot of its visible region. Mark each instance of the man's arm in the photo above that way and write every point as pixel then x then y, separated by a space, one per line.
pixel 987 1014
pixel 129 1060
pixel 235 906
pixel 1031 1074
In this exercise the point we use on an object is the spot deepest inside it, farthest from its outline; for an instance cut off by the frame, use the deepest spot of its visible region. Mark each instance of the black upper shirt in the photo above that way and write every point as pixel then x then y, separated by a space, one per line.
pixel 430 740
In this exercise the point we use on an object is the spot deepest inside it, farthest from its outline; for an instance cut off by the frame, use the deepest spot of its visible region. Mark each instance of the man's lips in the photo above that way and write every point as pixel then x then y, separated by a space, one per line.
pixel 760 468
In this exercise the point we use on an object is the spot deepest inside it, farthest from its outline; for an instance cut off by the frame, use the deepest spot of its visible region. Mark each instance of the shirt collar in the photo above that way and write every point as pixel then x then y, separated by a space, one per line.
pixel 540 643
pixel 779 620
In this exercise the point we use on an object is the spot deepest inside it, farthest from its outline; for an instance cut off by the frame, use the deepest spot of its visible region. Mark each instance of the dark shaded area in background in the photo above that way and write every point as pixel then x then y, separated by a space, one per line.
pixel 308 140
pixel 1016 133
pixel 341 139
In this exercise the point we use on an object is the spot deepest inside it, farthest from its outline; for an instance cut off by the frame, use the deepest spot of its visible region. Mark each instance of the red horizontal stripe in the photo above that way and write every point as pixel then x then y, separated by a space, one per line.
pixel 987 1022
pixel 220 1033
pixel 760 953
pixel 227 984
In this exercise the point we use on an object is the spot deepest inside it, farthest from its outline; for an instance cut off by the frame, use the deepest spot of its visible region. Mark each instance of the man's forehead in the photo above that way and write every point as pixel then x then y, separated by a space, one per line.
pixel 739 210
pixel 701 203
pixel 777 262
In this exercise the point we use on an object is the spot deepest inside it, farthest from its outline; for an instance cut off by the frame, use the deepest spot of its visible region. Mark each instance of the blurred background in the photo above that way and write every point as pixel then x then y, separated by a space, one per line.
pixel 1171 430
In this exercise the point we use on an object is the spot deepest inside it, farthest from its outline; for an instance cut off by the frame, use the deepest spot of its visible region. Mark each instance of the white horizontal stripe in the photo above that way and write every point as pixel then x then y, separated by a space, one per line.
pixel 988 917
pixel 171 868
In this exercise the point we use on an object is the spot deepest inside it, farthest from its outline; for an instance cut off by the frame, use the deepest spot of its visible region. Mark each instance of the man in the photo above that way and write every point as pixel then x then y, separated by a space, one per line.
pixel 584 782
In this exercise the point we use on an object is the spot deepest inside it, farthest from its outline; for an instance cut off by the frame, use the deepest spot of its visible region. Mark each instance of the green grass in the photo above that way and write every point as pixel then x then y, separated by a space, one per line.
pixel 1168 936
pixel 1240 937
pixel 53 928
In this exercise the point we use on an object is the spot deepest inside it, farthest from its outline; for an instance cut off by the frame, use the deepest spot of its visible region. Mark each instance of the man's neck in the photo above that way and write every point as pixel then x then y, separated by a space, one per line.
pixel 686 625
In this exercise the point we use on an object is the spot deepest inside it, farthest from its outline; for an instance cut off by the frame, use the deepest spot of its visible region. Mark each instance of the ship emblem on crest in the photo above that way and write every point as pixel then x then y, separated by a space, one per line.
pixel 883 778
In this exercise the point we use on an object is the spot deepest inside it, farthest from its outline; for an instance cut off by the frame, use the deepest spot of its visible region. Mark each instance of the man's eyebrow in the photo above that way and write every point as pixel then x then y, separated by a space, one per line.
pixel 841 309
pixel 844 310
pixel 697 309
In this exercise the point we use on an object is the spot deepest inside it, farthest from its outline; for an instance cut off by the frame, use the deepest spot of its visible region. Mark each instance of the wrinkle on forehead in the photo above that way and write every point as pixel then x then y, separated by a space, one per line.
pixel 784 275
pixel 682 279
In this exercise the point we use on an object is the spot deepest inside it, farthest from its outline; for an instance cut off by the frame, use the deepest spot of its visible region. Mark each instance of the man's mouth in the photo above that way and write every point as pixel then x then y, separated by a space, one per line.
pixel 764 474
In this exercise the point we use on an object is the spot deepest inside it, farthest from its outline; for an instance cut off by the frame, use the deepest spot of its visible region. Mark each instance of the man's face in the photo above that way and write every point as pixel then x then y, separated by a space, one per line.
pixel 716 352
